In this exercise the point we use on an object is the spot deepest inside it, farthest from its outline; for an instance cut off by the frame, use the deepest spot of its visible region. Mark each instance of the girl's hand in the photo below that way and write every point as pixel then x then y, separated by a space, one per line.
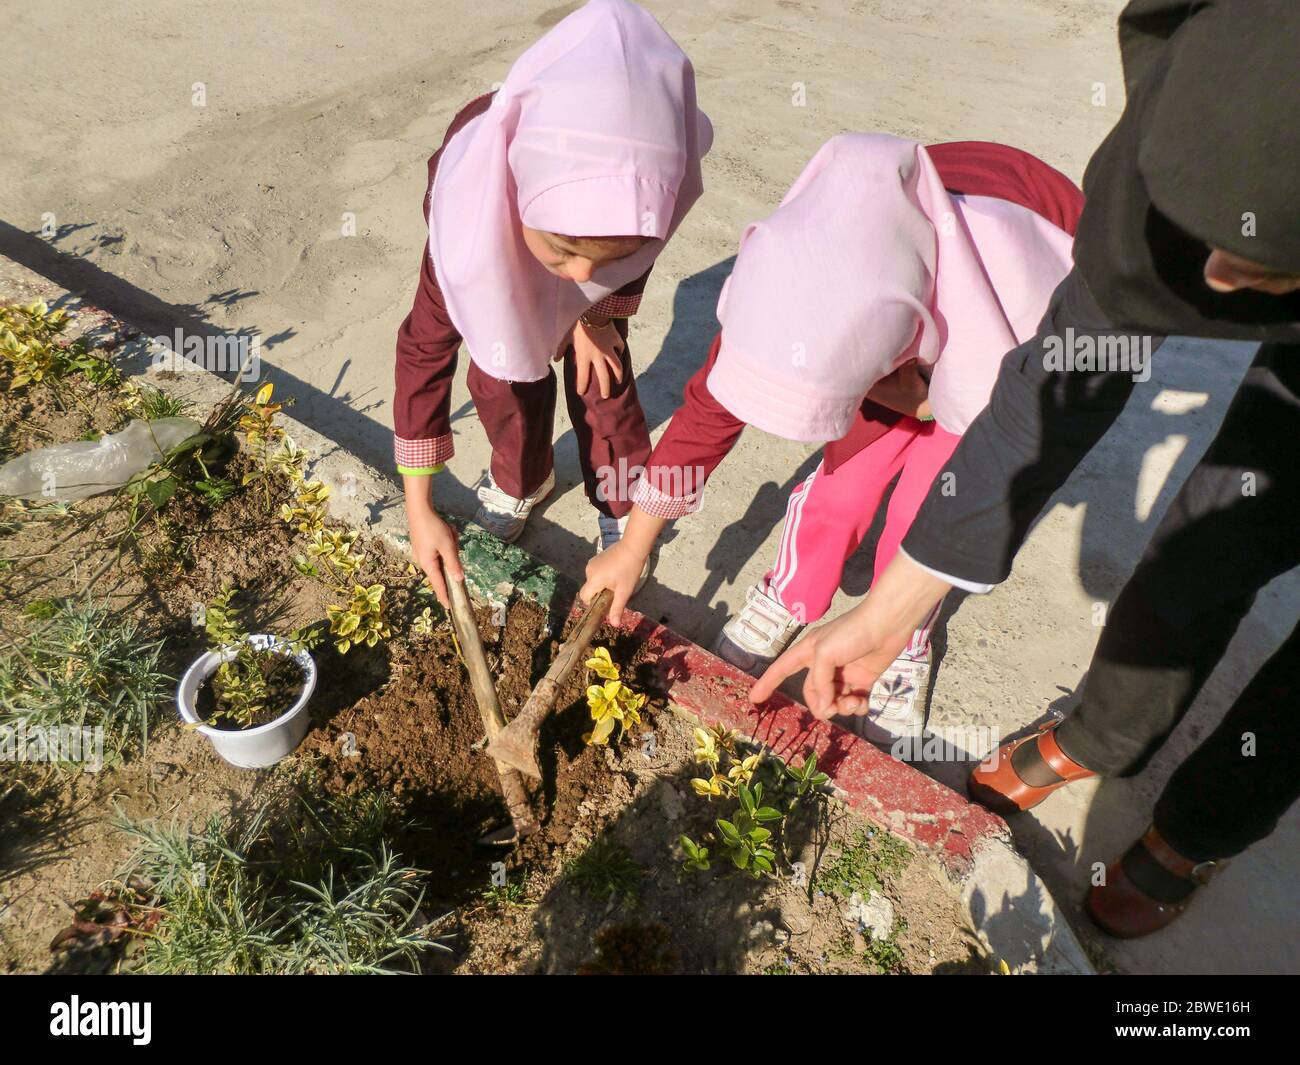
pixel 597 349
pixel 433 544
pixel 618 569
pixel 904 390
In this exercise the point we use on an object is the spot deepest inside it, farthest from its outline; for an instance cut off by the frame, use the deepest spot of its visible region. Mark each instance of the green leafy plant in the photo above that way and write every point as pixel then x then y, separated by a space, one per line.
pixel 805 778
pixel 745 840
pixel 244 685
pixel 145 401
pixel 879 955
pixel 509 893
pixel 612 704
pixel 184 467
pixel 863 865
pixel 215 491
pixel 697 857
pixel 748 836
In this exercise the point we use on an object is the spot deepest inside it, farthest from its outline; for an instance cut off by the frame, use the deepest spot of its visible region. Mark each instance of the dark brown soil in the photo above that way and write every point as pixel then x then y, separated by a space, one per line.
pixel 419 739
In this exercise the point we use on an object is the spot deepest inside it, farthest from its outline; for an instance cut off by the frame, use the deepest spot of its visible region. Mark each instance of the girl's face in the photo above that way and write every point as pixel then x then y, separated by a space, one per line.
pixel 577 258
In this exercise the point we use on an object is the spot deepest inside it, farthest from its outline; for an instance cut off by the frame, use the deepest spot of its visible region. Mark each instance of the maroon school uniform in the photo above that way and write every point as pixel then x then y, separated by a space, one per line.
pixel 518 417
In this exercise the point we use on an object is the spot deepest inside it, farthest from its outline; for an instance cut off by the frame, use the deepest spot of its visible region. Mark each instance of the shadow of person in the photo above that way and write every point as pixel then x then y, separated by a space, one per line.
pixel 1179 409
pixel 686 344
pixel 709 922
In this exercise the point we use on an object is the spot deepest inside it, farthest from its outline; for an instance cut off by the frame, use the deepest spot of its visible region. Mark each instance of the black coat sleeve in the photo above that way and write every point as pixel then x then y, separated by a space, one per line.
pixel 1042 419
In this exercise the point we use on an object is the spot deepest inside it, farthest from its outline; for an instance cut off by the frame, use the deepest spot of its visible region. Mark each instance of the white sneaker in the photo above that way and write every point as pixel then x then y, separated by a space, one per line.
pixel 611 531
pixel 896 709
pixel 755 637
pixel 503 515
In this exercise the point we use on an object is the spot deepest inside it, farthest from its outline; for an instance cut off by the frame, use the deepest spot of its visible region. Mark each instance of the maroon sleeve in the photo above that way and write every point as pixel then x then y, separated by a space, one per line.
pixel 699 437
pixel 984 168
pixel 427 344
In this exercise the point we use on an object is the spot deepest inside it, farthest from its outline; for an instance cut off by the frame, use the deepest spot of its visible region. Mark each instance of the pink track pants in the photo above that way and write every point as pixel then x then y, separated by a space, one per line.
pixel 830 513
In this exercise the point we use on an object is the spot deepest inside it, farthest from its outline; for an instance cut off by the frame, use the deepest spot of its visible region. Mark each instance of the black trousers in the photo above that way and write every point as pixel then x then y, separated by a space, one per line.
pixel 1232 528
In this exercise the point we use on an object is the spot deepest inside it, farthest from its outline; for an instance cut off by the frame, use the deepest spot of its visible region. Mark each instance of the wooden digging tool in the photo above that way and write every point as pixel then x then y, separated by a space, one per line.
pixel 489 708
pixel 516 746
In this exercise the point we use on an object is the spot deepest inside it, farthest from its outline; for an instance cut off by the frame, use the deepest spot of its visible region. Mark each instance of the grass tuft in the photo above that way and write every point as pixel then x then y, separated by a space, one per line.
pixel 606 872
pixel 864 865
pixel 82 669
pixel 320 894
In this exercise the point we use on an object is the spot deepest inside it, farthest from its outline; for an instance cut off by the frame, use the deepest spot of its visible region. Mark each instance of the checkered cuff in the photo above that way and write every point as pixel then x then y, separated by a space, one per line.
pixel 422 455
pixel 660 504
pixel 616 306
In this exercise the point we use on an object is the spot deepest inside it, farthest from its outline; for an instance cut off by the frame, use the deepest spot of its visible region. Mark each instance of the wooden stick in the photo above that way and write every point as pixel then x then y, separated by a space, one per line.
pixel 489 707
pixel 517 745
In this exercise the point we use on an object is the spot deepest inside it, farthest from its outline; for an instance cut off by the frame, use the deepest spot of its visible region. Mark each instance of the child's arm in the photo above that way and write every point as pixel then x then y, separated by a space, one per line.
pixel 697 439
pixel 427 343
pixel 619 568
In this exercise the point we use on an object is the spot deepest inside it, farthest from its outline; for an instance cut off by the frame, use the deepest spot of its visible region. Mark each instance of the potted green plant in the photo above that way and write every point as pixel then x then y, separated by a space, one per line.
pixel 248 693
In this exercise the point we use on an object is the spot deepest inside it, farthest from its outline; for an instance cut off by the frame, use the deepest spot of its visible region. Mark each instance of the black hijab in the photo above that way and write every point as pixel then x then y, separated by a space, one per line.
pixel 1206 153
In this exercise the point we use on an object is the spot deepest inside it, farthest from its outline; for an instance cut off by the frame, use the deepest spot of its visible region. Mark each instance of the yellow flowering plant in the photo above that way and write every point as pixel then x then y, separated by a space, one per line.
pixel 710 745
pixel 307 514
pixel 33 351
pixel 258 424
pixel 613 703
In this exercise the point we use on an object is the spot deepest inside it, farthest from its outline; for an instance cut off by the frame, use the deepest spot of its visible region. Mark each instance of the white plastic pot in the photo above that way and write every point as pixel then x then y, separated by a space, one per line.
pixel 253 748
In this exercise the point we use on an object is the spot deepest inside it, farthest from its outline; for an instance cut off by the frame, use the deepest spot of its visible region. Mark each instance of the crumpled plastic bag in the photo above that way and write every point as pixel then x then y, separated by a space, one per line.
pixel 67 472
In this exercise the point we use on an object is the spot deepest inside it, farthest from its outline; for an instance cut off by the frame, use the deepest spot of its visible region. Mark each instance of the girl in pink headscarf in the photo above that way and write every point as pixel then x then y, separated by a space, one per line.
pixel 547 205
pixel 870 312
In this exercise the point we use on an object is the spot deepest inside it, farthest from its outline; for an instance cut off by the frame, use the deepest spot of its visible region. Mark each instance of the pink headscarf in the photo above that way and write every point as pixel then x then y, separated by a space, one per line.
pixel 870 262
pixel 595 132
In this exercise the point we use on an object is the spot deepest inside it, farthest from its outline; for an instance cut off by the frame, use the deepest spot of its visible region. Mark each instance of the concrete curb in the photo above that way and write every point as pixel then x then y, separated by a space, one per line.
pixel 1009 906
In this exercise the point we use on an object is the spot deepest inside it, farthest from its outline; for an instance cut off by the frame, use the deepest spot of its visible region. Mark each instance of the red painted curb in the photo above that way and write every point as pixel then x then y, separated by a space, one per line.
pixel 900 798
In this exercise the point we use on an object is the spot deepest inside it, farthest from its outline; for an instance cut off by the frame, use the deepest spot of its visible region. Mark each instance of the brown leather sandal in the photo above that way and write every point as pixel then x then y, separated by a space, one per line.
pixel 1000 787
pixel 1123 909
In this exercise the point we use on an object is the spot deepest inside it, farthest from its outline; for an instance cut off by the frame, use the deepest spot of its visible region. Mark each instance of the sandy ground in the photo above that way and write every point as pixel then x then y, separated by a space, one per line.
pixel 230 217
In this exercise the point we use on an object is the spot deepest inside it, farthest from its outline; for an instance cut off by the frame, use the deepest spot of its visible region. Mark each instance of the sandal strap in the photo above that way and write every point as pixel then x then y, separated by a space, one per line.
pixel 1057 760
pixel 1184 868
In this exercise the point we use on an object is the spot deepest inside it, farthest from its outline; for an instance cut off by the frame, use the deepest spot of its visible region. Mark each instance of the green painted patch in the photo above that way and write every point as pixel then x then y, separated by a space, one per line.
pixel 496 570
